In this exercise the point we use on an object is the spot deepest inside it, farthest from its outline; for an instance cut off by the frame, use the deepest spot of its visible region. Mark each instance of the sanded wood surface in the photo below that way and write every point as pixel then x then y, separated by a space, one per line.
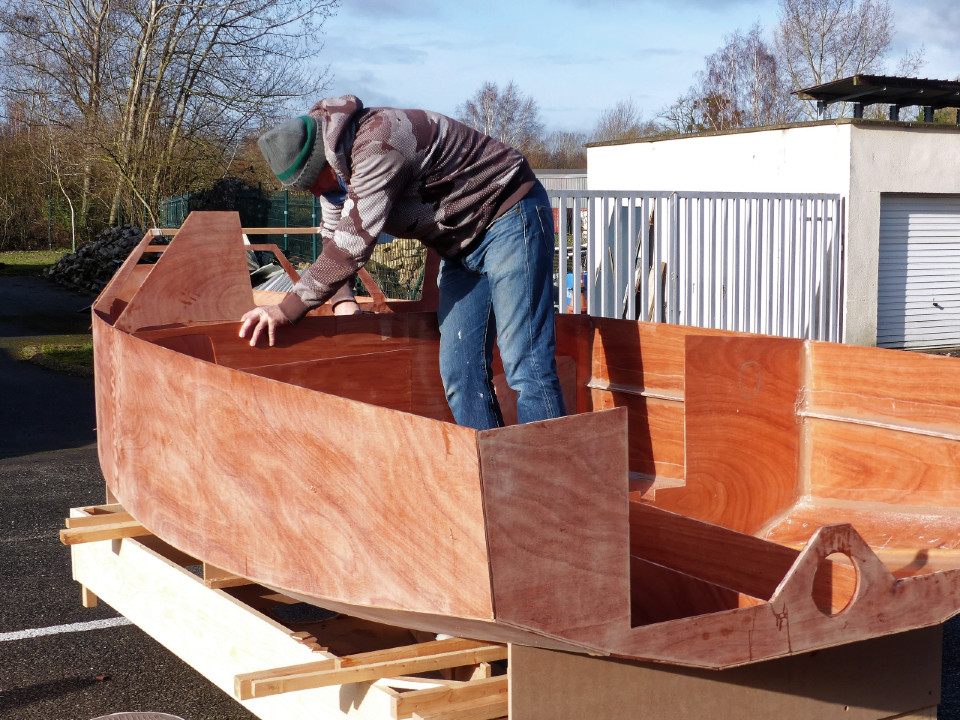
pixel 557 524
pixel 194 279
pixel 743 439
pixel 277 483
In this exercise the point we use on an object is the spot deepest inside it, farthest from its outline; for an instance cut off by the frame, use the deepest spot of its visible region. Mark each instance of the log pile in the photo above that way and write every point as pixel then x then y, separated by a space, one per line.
pixel 91 267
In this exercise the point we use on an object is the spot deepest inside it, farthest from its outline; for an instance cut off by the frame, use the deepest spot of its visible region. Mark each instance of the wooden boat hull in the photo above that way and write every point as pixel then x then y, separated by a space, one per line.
pixel 686 513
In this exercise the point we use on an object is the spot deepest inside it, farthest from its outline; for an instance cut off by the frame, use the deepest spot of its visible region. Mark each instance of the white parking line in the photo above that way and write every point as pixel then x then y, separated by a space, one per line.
pixel 68 628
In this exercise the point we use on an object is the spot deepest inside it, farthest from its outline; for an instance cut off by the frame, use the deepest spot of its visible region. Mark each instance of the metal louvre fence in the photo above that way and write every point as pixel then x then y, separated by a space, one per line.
pixel 764 263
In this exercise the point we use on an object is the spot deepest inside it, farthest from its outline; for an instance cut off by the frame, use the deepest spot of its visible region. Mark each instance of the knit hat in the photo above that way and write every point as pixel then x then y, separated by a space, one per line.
pixel 294 150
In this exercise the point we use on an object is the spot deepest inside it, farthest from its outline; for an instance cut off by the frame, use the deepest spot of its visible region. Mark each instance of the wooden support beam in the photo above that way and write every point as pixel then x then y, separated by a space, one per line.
pixel 218 578
pixel 428 701
pixel 406 660
pixel 488 708
pixel 99 520
pixel 87 597
pixel 106 530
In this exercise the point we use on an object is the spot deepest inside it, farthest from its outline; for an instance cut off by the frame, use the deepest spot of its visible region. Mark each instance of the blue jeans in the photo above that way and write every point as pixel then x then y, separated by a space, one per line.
pixel 502 290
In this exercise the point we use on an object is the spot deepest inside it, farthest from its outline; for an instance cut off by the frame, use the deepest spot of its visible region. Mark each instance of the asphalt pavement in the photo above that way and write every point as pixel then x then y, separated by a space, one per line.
pixel 59 660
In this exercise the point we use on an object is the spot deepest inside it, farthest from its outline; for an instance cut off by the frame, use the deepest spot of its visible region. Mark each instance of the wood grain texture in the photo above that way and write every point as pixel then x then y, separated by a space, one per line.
pixel 742 436
pixel 875 465
pixel 281 485
pixel 203 275
pixel 901 384
pixel 555 500
pixel 882 527
pixel 792 622
pixel 723 557
pixel 125 282
pixel 353 377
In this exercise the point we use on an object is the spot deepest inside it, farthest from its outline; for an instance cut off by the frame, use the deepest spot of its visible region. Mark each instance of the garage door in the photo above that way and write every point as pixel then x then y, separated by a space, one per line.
pixel 919 282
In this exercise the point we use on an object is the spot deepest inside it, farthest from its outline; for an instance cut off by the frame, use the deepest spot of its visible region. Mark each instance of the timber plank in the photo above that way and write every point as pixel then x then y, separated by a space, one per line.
pixel 435 699
pixel 213 632
pixel 423 657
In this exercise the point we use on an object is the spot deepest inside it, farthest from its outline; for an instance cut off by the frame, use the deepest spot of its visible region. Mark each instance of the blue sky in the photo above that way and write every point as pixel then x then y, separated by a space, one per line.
pixel 575 58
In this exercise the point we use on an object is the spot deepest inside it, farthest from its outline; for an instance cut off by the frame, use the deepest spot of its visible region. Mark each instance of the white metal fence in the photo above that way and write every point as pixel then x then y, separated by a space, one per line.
pixel 765 263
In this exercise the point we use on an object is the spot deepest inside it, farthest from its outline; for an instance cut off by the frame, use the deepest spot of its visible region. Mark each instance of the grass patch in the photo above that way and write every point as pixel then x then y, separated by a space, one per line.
pixel 28 262
pixel 69 354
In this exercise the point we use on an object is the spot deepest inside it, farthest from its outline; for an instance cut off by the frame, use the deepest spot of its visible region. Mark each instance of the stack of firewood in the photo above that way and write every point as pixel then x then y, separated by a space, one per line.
pixel 91 267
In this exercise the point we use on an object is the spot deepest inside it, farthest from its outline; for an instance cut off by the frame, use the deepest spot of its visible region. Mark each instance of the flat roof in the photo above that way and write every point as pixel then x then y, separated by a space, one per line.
pixel 858 122
pixel 873 89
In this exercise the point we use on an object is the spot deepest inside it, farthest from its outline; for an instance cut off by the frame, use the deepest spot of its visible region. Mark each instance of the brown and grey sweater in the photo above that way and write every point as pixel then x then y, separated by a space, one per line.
pixel 409 173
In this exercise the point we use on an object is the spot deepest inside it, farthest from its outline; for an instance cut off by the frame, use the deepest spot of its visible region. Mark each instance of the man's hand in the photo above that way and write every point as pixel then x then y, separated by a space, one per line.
pixel 265 316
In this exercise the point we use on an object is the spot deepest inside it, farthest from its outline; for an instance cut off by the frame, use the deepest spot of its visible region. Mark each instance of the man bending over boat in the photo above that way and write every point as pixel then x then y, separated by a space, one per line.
pixel 418 174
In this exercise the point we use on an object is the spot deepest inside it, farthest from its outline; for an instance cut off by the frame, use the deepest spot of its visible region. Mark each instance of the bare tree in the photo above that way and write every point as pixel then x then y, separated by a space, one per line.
pixel 623 121
pixel 822 40
pixel 741 85
pixel 560 149
pixel 156 91
pixel 507 115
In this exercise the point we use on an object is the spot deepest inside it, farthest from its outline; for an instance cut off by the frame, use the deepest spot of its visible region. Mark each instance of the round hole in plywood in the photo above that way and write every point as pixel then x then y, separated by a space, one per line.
pixel 835 583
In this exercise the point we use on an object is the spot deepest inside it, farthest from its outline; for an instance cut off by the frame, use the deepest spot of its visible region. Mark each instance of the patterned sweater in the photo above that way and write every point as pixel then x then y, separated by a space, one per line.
pixel 409 173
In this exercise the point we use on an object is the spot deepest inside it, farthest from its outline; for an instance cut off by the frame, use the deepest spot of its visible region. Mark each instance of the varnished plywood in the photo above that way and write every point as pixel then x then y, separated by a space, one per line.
pixel 655 431
pixel 793 621
pixel 555 500
pixel 661 594
pixel 877 465
pixel 880 526
pixel 203 275
pixel 352 377
pixel 742 435
pixel 894 383
pixel 715 554
pixel 288 487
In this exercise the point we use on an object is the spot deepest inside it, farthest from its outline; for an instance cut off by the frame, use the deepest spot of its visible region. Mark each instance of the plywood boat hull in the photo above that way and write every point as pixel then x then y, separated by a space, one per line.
pixel 683 514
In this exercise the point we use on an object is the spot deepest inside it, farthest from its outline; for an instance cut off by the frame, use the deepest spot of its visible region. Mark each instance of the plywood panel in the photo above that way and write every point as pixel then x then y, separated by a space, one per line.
pixel 723 557
pixel 880 527
pixel 655 428
pixel 661 594
pixel 872 381
pixel 298 489
pixel 869 464
pixel 201 276
pixel 742 447
pixel 381 378
pixel 557 524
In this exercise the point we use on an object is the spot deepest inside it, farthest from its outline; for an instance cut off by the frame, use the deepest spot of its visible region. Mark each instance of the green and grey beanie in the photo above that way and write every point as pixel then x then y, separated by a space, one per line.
pixel 294 150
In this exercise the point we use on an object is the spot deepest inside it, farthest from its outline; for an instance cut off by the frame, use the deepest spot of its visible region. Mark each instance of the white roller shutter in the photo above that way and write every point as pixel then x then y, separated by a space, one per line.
pixel 919 280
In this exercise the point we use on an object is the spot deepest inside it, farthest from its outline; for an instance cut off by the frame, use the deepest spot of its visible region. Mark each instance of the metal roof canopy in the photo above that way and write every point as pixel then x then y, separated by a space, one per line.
pixel 898 92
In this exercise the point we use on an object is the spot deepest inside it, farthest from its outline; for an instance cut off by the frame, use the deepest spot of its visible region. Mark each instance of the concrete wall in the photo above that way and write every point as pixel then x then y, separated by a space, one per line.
pixel 859 160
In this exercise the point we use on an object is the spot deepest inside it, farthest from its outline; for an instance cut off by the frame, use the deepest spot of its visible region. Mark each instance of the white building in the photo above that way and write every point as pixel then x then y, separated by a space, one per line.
pixel 901 185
